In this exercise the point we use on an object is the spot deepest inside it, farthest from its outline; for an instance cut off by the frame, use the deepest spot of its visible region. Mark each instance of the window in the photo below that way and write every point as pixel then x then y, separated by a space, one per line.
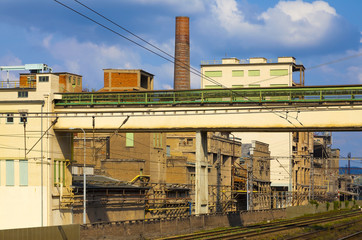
pixel 254 85
pixel 23 117
pixel 9 118
pixel 157 140
pixel 60 166
pixel 78 80
pixel 44 79
pixel 279 85
pixel 213 86
pixel 238 73
pixel 23 173
pixel 254 73
pixel 22 94
pixel 213 73
pixel 168 151
pixel 129 139
pixel 237 86
pixel 278 72
pixel 69 79
pixel 9 172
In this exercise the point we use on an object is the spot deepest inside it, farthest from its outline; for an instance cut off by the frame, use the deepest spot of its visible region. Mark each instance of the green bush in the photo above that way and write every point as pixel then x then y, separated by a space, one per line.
pixel 327 205
pixel 314 202
pixel 346 203
pixel 336 205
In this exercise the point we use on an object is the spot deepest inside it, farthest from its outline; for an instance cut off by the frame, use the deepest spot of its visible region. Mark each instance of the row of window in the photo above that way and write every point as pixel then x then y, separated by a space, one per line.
pixel 10 118
pixel 249 85
pixel 10 172
pixel 75 79
pixel 251 73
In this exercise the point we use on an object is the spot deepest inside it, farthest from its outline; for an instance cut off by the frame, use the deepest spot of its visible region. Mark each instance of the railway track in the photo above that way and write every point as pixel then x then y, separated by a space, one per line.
pixel 262 229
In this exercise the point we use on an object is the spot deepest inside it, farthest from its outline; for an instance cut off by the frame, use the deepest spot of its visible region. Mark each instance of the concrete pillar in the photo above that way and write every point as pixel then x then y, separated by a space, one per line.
pixel 201 170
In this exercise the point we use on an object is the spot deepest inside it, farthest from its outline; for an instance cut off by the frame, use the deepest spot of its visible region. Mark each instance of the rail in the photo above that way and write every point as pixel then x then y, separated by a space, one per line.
pixel 17 84
pixel 347 93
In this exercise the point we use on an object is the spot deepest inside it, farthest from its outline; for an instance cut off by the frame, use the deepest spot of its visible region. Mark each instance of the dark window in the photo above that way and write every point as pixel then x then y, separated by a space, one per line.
pixel 44 79
pixel 10 118
pixel 22 94
pixel 23 117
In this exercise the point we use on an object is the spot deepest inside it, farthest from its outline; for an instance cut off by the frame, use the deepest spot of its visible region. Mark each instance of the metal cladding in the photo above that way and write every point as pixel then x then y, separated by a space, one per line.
pixel 182 54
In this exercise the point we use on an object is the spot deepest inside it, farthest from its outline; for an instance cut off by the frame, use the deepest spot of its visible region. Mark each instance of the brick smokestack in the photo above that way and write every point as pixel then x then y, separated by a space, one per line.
pixel 182 54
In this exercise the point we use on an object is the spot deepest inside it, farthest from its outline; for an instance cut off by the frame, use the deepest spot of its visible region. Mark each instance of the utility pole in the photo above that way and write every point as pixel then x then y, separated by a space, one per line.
pixel 218 181
pixel 249 184
pixel 349 164
pixel 311 180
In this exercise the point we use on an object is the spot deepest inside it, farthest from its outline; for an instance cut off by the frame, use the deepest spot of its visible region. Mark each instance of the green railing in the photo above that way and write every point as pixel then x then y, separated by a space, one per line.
pixel 348 93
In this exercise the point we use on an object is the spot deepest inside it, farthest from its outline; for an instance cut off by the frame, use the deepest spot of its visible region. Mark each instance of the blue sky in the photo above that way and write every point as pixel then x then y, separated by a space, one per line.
pixel 314 32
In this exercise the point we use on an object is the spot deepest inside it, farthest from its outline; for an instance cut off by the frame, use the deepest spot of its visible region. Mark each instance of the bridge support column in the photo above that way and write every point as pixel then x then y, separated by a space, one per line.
pixel 201 170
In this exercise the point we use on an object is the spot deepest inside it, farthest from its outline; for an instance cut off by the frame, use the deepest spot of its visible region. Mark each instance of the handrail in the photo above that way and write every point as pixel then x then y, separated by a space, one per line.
pixel 17 84
pixel 204 96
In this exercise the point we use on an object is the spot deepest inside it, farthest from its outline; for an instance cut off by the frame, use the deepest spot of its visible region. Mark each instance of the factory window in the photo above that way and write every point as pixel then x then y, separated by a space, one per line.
pixel 78 80
pixel 129 139
pixel 157 140
pixel 59 172
pixel 213 86
pixel 278 85
pixel 9 118
pixel 22 94
pixel 254 73
pixel 168 151
pixel 278 72
pixel 44 79
pixel 23 173
pixel 238 73
pixel 213 73
pixel 23 117
pixel 70 79
pixel 9 172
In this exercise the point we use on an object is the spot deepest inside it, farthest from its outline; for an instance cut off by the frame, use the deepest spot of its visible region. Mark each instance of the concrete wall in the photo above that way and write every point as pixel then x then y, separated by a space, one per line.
pixel 54 232
pixel 174 226
pixel 298 211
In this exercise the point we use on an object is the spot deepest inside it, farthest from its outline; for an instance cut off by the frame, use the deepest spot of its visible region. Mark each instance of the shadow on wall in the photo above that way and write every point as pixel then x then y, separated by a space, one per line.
pixel 234 219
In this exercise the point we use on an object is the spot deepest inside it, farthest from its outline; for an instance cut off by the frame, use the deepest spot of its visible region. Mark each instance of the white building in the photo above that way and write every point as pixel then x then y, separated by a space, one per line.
pixel 34 175
pixel 260 72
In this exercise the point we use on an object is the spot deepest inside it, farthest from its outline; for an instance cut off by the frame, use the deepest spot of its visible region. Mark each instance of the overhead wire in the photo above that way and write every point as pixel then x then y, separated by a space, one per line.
pixel 185 66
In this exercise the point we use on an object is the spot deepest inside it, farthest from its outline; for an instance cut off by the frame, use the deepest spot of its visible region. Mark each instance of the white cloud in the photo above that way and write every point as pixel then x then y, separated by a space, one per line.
pixel 288 23
pixel 88 58
pixel 186 6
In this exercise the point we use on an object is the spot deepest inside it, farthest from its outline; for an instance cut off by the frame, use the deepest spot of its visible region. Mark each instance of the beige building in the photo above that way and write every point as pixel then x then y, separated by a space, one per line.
pixel 256 158
pixel 136 162
pixel 224 152
pixel 261 72
pixel 34 167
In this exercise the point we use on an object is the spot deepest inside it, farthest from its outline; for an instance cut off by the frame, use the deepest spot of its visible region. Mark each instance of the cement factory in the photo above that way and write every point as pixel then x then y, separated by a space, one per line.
pixel 255 139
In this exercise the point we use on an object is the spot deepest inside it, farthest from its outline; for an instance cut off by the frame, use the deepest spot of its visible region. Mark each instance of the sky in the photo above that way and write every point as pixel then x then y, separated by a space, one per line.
pixel 327 34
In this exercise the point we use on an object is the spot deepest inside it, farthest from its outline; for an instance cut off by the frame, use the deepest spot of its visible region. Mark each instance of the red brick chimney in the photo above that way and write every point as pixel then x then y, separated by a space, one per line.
pixel 182 54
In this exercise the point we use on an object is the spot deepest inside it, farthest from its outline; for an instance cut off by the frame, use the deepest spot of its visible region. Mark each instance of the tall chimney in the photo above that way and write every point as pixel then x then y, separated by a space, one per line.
pixel 182 54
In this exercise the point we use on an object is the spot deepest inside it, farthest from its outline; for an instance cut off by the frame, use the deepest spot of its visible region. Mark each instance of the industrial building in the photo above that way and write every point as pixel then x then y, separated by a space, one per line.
pixel 290 152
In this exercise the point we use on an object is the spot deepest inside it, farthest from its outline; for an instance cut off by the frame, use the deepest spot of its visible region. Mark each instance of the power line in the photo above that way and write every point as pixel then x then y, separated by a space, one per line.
pixel 172 61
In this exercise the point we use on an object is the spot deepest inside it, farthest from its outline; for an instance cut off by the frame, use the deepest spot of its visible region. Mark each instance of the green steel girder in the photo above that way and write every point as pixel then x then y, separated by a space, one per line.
pixel 349 93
